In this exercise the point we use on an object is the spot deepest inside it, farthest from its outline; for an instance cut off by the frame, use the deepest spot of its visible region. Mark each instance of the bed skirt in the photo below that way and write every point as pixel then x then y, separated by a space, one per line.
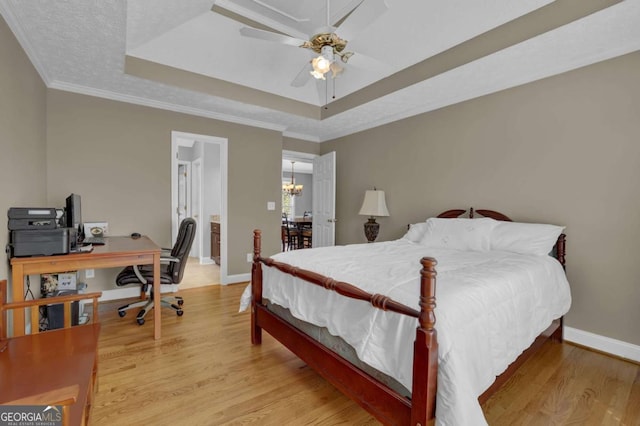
pixel 337 345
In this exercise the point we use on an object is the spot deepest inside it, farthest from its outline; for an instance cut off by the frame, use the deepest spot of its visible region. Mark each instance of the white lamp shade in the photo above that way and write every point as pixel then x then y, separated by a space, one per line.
pixel 374 204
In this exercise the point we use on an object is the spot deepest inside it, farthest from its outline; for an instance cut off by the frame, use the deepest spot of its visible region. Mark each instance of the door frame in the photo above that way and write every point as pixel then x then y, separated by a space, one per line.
pixel 187 188
pixel 305 157
pixel 196 178
pixel 187 139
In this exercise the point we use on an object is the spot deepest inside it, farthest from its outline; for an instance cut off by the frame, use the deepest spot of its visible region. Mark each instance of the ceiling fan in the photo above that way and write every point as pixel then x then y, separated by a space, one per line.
pixel 325 41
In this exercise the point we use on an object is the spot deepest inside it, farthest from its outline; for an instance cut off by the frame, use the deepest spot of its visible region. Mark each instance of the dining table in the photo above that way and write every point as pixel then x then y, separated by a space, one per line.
pixel 302 223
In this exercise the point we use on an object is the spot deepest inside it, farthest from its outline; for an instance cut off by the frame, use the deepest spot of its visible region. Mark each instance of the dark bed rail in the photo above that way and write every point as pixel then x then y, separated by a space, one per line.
pixel 426 314
pixel 425 346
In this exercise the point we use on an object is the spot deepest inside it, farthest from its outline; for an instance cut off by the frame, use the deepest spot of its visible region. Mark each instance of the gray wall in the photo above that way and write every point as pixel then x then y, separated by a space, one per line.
pixel 22 133
pixel 130 187
pixel 563 150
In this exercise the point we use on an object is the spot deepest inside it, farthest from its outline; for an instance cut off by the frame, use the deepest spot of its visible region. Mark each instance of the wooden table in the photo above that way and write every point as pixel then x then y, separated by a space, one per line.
pixel 117 252
pixel 300 223
pixel 43 363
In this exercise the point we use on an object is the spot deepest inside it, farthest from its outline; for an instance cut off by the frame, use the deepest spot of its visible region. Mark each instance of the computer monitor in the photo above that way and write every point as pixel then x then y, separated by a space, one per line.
pixel 74 214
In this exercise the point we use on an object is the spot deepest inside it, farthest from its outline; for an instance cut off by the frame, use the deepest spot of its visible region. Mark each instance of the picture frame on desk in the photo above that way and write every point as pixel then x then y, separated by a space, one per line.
pixel 50 283
pixel 96 229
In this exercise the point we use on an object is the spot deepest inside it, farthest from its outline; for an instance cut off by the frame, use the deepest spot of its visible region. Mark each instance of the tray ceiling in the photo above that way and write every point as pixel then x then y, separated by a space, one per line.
pixel 414 57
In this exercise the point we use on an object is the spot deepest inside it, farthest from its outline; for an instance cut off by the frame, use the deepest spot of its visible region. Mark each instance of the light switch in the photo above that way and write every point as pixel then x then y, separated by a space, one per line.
pixel 271 205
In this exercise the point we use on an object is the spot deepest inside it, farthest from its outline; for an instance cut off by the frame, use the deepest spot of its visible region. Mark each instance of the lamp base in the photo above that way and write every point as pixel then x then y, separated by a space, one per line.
pixel 371 229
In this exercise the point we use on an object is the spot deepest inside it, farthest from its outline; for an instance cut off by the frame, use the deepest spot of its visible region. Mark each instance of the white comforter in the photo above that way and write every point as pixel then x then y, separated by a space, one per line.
pixel 490 307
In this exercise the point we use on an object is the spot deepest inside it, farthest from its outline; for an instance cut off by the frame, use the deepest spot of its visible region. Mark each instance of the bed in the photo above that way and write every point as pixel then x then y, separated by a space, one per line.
pixel 384 312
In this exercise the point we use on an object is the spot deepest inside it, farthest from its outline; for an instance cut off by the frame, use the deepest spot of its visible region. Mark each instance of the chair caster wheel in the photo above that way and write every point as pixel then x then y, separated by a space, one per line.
pixel 180 313
pixel 180 302
pixel 140 321
pixel 122 313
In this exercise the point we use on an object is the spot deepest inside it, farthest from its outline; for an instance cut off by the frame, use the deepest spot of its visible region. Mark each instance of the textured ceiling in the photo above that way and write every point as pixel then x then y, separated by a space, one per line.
pixel 414 57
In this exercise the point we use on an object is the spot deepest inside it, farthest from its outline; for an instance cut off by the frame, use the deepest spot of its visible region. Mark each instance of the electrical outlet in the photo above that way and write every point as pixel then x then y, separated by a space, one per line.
pixel 89 273
pixel 249 257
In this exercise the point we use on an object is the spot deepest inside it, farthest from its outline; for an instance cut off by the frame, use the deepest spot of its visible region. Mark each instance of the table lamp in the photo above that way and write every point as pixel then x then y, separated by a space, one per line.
pixel 373 205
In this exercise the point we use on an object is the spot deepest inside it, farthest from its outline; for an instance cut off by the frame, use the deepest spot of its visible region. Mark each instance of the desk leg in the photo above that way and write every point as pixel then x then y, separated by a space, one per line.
pixel 157 297
pixel 17 295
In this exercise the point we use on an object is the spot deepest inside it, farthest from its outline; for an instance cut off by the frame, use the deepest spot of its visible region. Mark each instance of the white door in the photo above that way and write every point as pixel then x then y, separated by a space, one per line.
pixel 196 205
pixel 324 200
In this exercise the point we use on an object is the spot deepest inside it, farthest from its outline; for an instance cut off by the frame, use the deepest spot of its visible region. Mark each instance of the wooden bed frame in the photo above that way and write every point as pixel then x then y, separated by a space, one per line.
pixel 385 404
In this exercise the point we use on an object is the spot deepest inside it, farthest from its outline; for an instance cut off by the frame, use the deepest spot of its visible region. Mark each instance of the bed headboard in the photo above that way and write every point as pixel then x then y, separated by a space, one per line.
pixel 559 249
pixel 452 214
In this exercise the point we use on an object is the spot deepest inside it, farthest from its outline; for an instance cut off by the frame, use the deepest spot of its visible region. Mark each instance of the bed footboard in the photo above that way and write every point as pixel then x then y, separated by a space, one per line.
pixel 383 402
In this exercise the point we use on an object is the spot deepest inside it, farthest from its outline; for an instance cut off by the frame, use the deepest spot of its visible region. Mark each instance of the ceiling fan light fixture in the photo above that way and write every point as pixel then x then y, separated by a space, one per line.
pixel 322 64
pixel 317 75
pixel 336 70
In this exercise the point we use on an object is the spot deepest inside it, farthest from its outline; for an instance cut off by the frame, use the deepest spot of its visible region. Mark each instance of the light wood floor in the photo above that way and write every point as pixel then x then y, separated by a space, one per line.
pixel 197 275
pixel 204 371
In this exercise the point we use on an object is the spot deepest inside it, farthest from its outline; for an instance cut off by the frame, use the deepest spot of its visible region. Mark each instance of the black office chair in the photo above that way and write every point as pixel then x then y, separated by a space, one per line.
pixel 172 264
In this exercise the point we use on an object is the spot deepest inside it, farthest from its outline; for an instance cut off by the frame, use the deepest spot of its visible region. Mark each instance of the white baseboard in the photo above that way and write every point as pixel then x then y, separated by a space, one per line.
pixel 132 291
pixel 602 343
pixel 239 278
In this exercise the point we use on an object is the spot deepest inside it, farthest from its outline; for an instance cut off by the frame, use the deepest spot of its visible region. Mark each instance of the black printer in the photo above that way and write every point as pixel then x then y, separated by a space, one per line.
pixel 35 231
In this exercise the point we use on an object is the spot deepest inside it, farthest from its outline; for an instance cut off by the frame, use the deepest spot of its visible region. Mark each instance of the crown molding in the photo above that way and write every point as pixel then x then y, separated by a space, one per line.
pixel 302 136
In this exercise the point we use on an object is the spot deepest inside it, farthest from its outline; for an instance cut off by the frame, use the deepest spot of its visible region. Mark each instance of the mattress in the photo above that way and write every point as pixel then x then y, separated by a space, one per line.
pixel 490 307
pixel 337 345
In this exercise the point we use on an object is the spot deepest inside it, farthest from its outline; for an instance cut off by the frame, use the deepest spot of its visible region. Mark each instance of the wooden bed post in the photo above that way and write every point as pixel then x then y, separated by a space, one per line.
pixel 256 288
pixel 561 249
pixel 425 349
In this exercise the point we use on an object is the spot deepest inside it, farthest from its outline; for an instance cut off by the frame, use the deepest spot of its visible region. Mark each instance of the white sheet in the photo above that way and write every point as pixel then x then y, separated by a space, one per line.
pixel 490 307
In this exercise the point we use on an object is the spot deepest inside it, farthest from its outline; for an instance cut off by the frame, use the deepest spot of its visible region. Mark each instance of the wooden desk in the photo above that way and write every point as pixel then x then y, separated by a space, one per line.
pixel 117 252
pixel 53 360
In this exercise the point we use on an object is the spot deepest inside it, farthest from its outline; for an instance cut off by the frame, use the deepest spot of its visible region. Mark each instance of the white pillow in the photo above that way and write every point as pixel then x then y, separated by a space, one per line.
pixel 458 234
pixel 525 238
pixel 415 232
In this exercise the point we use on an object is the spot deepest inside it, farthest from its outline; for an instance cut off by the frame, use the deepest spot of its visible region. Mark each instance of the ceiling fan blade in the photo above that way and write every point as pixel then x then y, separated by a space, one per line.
pixel 360 18
pixel 303 77
pixel 240 18
pixel 269 36
pixel 365 62
pixel 338 17
pixel 248 17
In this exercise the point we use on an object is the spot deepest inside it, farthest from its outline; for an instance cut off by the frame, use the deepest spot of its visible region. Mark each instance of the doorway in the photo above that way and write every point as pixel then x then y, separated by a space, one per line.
pixel 199 190
pixel 317 176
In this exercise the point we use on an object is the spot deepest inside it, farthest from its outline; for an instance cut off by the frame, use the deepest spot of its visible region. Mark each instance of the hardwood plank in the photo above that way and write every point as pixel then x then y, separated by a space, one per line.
pixel 204 371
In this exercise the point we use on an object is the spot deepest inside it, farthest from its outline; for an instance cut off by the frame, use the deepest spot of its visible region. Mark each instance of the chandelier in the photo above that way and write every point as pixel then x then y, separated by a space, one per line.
pixel 291 188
